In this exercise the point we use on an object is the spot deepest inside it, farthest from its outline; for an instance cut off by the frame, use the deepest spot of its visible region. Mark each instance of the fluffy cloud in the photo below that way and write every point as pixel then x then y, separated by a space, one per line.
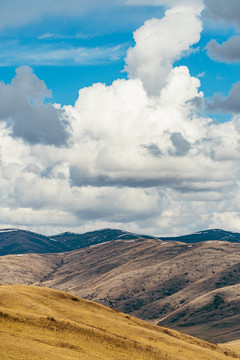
pixel 23 109
pixel 228 11
pixel 228 104
pixel 131 159
pixel 139 141
pixel 228 51
pixel 127 158
pixel 160 42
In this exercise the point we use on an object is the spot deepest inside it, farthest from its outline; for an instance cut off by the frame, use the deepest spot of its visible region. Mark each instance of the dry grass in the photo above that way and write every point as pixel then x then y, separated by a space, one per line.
pixel 39 323
pixel 233 346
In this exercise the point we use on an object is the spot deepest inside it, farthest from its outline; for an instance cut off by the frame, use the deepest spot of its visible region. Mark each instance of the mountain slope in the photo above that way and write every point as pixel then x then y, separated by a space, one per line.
pixel 40 323
pixel 206 235
pixel 78 241
pixel 14 241
pixel 181 286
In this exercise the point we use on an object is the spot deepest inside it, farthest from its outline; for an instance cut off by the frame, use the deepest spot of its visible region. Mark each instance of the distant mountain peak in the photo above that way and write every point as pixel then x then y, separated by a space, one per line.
pixel 17 241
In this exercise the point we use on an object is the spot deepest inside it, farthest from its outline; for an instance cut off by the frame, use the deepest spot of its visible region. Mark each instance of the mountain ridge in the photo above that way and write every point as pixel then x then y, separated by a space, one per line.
pixel 17 241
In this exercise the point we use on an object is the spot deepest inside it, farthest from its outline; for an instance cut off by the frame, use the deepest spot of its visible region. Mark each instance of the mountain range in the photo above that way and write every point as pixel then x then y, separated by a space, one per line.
pixel 15 241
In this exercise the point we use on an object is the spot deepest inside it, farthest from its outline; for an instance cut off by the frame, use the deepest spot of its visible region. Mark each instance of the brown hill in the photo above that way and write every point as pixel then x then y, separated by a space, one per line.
pixel 193 288
pixel 39 323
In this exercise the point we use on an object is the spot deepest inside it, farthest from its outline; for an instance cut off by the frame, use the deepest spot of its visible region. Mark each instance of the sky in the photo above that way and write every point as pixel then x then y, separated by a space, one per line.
pixel 120 114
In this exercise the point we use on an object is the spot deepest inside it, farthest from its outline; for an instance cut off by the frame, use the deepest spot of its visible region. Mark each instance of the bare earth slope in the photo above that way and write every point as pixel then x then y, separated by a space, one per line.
pixel 40 323
pixel 191 287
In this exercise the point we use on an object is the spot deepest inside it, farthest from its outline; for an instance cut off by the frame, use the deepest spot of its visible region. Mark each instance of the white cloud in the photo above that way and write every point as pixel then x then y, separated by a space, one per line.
pixel 112 143
pixel 46 36
pixel 23 109
pixel 160 42
pixel 108 176
pixel 60 54
pixel 149 164
pixel 63 36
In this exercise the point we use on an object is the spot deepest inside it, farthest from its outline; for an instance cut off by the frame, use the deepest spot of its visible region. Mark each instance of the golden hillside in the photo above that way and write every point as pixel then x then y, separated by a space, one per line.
pixel 233 345
pixel 40 323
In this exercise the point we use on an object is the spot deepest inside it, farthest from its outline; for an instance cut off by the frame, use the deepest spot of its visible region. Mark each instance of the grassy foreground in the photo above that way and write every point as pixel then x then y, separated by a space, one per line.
pixel 233 345
pixel 41 323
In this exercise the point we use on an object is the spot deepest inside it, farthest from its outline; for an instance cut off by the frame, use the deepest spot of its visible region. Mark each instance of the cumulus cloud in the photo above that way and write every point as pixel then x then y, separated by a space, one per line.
pixel 120 138
pixel 160 42
pixel 228 51
pixel 228 11
pixel 23 109
pixel 228 104
pixel 127 158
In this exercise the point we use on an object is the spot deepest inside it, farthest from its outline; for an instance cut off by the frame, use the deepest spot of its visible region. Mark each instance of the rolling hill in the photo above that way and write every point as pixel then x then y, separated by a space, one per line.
pixel 190 287
pixel 39 323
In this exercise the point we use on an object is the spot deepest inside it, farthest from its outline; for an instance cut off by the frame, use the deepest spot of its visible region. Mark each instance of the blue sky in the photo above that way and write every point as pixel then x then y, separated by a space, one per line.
pixel 121 113
pixel 71 51
pixel 102 36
